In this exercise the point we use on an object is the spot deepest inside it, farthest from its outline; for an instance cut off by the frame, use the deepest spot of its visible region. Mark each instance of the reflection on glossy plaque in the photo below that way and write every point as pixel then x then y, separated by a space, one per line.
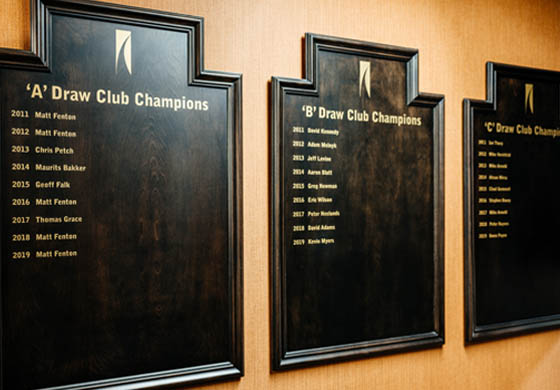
pixel 121 240
pixel 357 204
pixel 512 213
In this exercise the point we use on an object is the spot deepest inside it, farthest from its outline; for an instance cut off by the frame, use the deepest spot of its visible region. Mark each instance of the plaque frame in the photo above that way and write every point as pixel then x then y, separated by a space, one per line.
pixel 281 358
pixel 475 333
pixel 38 59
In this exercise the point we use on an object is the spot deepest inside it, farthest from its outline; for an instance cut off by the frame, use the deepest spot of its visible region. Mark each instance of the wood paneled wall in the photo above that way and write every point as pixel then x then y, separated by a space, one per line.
pixel 261 38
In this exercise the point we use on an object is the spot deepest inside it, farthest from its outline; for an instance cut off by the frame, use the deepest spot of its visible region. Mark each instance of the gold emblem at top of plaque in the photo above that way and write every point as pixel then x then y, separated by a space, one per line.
pixel 529 108
pixel 365 77
pixel 123 49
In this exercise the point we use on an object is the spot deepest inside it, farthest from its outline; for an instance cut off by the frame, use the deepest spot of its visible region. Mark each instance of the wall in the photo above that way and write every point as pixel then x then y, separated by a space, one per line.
pixel 455 39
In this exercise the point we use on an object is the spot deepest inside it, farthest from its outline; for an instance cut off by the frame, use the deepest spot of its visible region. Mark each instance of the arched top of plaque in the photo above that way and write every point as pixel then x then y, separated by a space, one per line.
pixel 495 70
pixel 315 43
pixel 117 124
pixel 39 57
pixel 357 206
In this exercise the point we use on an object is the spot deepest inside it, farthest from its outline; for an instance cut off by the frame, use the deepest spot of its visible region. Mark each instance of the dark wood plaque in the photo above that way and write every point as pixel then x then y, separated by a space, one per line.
pixel 511 155
pixel 121 203
pixel 357 206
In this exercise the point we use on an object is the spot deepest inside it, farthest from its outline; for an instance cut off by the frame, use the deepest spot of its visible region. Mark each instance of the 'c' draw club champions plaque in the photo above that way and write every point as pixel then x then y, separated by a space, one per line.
pixel 511 160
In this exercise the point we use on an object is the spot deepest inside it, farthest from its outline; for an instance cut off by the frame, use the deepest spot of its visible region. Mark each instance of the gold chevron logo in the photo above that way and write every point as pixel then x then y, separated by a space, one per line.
pixel 529 108
pixel 365 77
pixel 123 49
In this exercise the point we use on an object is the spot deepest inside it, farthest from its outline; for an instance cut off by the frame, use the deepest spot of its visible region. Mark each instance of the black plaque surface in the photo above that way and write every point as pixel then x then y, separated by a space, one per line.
pixel 512 214
pixel 121 203
pixel 357 221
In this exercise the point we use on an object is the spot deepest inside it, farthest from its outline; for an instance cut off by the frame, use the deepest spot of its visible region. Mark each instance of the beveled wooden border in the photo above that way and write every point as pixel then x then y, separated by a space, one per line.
pixel 38 59
pixel 475 333
pixel 281 358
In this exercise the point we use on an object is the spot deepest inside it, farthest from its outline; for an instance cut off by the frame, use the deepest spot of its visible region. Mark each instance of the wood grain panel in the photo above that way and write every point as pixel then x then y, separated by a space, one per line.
pixel 455 39
pixel 14 19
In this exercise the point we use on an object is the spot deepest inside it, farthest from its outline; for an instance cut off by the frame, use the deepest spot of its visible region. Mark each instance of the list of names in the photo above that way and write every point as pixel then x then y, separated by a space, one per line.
pixel 494 190
pixel 314 185
pixel 43 170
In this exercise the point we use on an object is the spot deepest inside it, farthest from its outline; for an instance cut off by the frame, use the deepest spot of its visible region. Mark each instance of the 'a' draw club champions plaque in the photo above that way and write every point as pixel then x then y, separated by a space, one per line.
pixel 121 203
pixel 357 206
pixel 512 213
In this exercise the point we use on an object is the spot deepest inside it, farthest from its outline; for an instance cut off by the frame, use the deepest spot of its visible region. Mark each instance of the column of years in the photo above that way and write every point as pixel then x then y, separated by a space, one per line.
pixel 313 186
pixel 43 218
